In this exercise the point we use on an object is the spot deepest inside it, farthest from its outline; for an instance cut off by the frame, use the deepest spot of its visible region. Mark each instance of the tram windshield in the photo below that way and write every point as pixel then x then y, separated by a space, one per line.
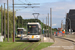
pixel 20 31
pixel 32 29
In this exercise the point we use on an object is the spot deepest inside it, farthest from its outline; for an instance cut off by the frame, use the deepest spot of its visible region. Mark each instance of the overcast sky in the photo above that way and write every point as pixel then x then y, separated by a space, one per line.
pixel 59 9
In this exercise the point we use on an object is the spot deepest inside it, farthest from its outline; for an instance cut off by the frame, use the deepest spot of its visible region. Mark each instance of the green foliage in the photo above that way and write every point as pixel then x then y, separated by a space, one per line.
pixel 10 21
pixel 23 23
pixel 19 21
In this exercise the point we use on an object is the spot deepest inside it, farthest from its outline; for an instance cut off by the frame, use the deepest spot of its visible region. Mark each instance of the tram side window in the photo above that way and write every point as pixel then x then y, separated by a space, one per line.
pixel 24 32
pixel 39 31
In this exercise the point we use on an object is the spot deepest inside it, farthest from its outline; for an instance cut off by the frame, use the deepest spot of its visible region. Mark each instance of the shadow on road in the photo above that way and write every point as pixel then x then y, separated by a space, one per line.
pixel 26 41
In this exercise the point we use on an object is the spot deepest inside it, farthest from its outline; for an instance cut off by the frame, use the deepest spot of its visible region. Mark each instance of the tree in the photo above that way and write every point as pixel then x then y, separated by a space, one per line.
pixel 10 21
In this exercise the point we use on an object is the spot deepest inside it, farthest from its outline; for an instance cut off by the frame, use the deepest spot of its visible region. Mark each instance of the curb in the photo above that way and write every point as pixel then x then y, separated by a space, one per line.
pixel 66 39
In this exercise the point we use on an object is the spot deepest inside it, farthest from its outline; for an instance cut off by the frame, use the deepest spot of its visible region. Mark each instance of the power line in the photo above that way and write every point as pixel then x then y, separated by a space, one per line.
pixel 20 1
pixel 33 10
pixel 26 6
pixel 26 0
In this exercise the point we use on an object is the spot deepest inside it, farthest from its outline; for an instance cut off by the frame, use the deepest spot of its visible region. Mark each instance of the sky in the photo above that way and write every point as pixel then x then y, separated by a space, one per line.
pixel 59 9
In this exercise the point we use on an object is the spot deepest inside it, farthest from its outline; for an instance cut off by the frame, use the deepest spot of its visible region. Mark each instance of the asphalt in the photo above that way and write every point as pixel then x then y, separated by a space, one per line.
pixel 61 44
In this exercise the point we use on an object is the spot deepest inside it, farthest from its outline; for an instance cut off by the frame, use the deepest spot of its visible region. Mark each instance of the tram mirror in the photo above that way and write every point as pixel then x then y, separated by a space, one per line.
pixel 29 26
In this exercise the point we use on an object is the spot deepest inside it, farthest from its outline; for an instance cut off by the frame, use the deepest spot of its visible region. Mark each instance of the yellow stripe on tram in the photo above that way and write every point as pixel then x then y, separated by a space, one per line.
pixel 32 36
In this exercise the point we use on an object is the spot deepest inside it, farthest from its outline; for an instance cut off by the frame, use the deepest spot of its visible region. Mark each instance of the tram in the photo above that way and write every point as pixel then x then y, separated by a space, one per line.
pixel 33 31
pixel 21 32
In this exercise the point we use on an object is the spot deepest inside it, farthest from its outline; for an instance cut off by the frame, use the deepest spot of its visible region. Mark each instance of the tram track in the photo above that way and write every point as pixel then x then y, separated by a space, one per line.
pixel 36 46
pixel 19 46
pixel 29 46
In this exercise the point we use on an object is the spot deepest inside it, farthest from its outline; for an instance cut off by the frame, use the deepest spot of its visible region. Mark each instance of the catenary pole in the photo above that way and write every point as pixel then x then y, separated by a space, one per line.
pixel 13 24
pixel 51 21
pixel 4 24
pixel 1 21
pixel 8 20
pixel 48 24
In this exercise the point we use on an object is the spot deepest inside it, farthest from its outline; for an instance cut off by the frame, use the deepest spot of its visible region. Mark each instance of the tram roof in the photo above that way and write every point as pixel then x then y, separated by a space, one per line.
pixel 34 23
pixel 20 28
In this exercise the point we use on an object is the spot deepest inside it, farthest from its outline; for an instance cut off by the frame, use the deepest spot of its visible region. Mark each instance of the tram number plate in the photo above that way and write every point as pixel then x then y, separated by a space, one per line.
pixel 32 36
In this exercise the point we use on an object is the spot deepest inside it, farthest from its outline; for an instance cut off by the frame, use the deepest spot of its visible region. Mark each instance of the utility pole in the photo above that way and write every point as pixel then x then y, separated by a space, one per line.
pixel 61 24
pixel 43 30
pixel 43 25
pixel 48 24
pixel 22 23
pixel 1 21
pixel 4 24
pixel 51 21
pixel 13 23
pixel 8 21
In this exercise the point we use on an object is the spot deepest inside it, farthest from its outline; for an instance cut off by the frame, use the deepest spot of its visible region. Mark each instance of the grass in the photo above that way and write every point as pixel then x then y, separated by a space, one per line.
pixel 43 45
pixel 8 46
pixel 20 45
pixel 31 47
pixel 23 46
pixel 11 39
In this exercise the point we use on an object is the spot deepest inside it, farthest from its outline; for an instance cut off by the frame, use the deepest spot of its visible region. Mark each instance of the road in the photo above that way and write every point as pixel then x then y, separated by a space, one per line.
pixel 61 44
pixel 70 36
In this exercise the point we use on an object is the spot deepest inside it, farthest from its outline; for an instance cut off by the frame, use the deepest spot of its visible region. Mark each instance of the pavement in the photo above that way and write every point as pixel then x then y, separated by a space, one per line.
pixel 61 44
pixel 68 37
pixel 47 39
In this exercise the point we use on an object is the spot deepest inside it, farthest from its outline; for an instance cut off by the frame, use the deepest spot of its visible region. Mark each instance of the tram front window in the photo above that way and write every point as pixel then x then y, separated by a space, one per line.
pixel 20 31
pixel 32 29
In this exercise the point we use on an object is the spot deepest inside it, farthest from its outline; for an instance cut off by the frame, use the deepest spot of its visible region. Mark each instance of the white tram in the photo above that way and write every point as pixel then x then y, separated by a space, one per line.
pixel 33 31
pixel 21 32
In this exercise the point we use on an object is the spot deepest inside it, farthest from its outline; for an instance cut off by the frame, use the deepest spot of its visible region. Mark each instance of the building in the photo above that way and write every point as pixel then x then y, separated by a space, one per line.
pixel 63 27
pixel 70 21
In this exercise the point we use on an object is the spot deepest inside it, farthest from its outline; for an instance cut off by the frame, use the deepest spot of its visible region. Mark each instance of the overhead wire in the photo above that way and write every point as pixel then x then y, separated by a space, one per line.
pixel 33 10
pixel 26 1
pixel 20 1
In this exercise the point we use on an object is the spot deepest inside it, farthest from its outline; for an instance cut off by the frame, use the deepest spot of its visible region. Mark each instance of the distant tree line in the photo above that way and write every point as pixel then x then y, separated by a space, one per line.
pixel 23 23
pixel 10 21
pixel 19 22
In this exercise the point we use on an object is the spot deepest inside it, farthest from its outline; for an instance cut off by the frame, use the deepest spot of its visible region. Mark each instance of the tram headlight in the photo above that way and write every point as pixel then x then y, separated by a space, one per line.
pixel 20 35
pixel 36 36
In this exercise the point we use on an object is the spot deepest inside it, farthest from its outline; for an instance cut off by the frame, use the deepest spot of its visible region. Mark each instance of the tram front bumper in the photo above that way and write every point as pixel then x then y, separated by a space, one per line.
pixel 33 38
